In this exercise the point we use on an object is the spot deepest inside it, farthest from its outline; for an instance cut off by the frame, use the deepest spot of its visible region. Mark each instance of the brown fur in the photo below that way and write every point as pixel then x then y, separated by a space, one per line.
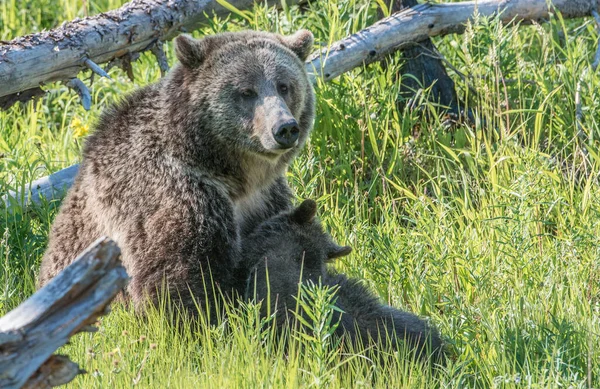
pixel 179 170
pixel 292 248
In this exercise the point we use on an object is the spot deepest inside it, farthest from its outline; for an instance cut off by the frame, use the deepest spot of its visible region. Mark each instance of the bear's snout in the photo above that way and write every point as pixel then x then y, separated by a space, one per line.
pixel 286 133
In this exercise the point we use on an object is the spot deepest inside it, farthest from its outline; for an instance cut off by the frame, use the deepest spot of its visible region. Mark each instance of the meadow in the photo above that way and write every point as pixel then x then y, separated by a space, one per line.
pixel 490 228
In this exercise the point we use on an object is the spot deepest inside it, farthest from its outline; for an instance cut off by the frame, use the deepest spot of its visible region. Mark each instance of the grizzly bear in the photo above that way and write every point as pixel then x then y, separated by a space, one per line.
pixel 180 170
pixel 291 248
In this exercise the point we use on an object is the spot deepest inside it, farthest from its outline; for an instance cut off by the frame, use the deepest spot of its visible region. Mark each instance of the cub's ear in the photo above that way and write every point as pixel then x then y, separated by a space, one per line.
pixel 301 43
pixel 338 251
pixel 191 52
pixel 305 212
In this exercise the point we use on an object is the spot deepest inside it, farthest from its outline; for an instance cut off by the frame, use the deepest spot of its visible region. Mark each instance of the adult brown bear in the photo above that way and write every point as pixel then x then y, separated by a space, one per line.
pixel 179 170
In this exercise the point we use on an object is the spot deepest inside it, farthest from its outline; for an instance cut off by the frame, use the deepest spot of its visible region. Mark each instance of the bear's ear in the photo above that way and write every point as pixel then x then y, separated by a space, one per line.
pixel 305 212
pixel 191 52
pixel 336 251
pixel 301 43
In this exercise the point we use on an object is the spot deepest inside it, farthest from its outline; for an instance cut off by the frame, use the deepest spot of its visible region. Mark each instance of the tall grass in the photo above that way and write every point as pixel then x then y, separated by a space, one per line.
pixel 489 228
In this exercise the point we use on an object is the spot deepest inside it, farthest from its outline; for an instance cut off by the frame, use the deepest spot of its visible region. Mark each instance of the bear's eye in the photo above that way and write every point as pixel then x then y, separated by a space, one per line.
pixel 248 93
pixel 283 89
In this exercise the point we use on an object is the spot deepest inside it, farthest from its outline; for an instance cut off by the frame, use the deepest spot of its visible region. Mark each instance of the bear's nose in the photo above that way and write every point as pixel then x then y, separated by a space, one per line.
pixel 286 134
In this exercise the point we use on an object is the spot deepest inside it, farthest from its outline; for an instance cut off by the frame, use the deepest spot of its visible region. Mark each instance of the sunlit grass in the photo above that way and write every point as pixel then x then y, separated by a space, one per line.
pixel 488 228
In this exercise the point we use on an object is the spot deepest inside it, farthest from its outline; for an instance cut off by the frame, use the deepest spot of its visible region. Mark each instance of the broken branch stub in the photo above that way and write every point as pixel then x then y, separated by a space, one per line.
pixel 95 68
pixel 82 91
pixel 159 53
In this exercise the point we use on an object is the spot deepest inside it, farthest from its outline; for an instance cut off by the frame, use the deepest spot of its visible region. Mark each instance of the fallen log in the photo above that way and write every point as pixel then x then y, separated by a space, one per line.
pixel 52 187
pixel 60 54
pixel 427 20
pixel 70 303
pixel 369 45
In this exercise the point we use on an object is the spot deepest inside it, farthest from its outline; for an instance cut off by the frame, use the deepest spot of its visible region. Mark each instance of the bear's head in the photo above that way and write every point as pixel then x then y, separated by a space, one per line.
pixel 287 249
pixel 250 89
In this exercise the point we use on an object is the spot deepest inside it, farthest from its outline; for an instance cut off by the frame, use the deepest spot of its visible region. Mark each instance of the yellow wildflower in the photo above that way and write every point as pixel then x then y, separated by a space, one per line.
pixel 79 128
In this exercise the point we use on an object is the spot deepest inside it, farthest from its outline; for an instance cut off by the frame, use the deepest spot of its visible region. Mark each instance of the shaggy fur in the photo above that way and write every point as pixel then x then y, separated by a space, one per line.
pixel 180 170
pixel 292 248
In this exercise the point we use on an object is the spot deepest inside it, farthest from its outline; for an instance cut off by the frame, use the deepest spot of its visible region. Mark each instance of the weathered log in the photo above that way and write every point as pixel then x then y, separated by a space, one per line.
pixel 60 54
pixel 427 20
pixel 372 44
pixel 46 188
pixel 68 304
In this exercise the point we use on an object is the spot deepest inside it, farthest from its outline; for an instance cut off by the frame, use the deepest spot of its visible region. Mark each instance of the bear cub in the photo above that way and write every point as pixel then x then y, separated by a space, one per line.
pixel 293 248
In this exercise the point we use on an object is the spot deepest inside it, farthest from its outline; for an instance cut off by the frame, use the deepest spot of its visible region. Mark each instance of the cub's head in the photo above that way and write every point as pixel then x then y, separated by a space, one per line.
pixel 249 88
pixel 287 249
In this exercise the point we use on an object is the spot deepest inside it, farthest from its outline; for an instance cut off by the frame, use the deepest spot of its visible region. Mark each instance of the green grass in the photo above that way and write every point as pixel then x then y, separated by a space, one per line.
pixel 491 229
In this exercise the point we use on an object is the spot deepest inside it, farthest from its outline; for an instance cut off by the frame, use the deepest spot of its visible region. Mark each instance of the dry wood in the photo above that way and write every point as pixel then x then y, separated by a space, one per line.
pixel 426 20
pixel 60 54
pixel 373 43
pixel 46 188
pixel 68 304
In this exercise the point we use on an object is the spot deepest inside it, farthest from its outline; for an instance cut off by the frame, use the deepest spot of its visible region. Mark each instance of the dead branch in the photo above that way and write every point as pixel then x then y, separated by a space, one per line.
pixel 60 54
pixel 426 20
pixel 68 304
pixel 159 53
pixel 82 91
pixel 371 44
